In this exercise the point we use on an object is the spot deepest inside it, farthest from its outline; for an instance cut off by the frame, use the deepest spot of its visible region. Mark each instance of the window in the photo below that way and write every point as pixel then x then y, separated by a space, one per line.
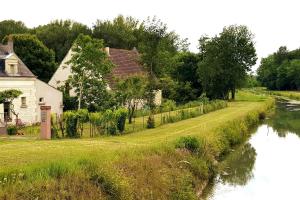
pixel 41 100
pixel 12 69
pixel 7 112
pixel 23 102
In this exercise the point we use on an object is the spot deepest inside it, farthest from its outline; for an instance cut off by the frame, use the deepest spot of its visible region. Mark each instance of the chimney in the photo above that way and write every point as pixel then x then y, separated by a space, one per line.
pixel 107 50
pixel 10 44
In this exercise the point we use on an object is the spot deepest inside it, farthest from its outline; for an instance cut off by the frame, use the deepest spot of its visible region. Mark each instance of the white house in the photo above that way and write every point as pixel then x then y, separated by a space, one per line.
pixel 14 74
pixel 125 61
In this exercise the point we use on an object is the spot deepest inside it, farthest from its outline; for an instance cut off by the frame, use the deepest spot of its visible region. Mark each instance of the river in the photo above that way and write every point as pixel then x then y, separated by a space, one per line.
pixel 266 166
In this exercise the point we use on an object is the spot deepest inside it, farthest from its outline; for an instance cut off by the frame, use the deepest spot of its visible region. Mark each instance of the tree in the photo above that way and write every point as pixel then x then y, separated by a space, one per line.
pixel 119 33
pixel 131 93
pixel 89 66
pixel 185 74
pixel 226 60
pixel 37 57
pixel 59 35
pixel 7 96
pixel 281 70
pixel 8 27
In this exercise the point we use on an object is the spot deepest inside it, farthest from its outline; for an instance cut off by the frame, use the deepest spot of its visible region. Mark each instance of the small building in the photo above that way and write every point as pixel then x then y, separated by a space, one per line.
pixel 125 61
pixel 14 74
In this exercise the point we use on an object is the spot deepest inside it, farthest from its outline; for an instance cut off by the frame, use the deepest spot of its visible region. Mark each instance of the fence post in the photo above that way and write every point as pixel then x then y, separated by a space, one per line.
pixel 143 117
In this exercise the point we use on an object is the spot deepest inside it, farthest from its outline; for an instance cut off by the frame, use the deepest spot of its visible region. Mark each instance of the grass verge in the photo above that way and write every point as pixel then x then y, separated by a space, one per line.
pixel 144 165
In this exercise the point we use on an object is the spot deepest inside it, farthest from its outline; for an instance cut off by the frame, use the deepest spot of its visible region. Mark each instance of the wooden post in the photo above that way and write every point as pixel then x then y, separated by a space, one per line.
pixel 46 122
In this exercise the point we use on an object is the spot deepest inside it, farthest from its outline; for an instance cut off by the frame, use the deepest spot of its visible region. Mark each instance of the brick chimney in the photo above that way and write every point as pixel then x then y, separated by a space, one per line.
pixel 10 44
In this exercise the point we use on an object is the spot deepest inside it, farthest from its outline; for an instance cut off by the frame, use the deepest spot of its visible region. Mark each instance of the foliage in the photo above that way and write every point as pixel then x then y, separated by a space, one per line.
pixel 59 35
pixel 121 115
pixel 71 120
pixel 188 142
pixel 83 117
pixel 226 59
pixel 121 32
pixel 130 92
pixel 37 57
pixel 281 70
pixel 185 75
pixel 151 121
pixel 9 95
pixel 8 27
pixel 89 66
pixel 251 81
pixel 12 130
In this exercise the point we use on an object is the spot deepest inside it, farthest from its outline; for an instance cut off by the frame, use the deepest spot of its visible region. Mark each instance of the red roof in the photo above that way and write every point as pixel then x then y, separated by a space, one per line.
pixel 125 61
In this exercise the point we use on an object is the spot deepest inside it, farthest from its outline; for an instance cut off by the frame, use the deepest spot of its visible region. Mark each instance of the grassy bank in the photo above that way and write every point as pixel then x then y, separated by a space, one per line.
pixel 288 94
pixel 141 165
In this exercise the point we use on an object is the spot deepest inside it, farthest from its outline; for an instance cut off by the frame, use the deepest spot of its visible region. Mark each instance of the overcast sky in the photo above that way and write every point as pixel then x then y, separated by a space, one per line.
pixel 274 23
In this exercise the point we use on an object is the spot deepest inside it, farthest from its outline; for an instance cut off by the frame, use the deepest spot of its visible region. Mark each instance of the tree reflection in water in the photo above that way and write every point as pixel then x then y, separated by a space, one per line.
pixel 237 167
pixel 286 122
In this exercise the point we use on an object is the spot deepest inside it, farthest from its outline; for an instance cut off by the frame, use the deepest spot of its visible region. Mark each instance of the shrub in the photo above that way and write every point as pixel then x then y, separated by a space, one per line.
pixel 12 130
pixel 262 115
pixel 188 142
pixel 150 122
pixel 109 118
pixel 121 115
pixel 71 120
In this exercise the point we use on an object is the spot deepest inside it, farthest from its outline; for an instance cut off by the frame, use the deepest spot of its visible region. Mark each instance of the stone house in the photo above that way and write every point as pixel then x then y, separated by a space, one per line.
pixel 125 61
pixel 14 74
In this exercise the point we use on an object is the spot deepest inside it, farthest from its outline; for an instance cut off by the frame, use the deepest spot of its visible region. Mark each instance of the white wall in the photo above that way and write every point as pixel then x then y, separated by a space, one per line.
pixel 28 89
pixel 52 97
pixel 62 73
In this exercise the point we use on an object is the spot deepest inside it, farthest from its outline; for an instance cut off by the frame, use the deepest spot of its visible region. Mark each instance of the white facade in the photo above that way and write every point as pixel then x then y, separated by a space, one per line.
pixel 35 93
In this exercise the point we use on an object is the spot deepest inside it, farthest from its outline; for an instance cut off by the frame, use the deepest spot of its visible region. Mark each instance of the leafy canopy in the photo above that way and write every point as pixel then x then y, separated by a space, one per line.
pixel 226 59
pixel 37 57
pixel 90 66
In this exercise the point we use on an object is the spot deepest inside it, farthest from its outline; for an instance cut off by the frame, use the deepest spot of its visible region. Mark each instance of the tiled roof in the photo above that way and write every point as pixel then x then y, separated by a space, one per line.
pixel 125 61
pixel 126 64
pixel 23 70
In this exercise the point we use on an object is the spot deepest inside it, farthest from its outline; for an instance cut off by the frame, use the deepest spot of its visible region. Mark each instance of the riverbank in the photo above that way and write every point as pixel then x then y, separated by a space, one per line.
pixel 142 165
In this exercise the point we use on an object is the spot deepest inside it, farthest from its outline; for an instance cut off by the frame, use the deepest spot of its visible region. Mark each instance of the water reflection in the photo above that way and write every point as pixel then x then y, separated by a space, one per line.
pixel 238 166
pixel 266 167
pixel 286 118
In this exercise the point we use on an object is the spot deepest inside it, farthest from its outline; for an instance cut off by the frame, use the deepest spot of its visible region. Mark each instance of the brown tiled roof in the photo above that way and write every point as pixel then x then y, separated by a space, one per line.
pixel 125 61
pixel 126 64
pixel 23 70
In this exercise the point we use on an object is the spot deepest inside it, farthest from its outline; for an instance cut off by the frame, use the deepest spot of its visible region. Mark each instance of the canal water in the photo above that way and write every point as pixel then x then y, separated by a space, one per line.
pixel 267 166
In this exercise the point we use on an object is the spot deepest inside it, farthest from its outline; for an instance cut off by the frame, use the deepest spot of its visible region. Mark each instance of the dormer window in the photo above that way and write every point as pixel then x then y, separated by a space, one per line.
pixel 12 69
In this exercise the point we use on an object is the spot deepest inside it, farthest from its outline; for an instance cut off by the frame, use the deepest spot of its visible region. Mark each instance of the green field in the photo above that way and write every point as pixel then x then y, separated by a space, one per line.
pixel 125 162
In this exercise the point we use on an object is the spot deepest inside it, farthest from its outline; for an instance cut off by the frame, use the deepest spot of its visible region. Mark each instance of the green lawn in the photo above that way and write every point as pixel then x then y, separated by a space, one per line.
pixel 18 152
pixel 140 165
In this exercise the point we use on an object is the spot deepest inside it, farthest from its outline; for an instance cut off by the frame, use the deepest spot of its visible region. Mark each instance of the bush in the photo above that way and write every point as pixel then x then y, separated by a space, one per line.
pixel 71 120
pixel 121 115
pixel 190 143
pixel 150 122
pixel 12 130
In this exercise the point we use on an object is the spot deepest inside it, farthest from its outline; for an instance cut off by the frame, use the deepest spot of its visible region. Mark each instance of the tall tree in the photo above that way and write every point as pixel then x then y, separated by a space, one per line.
pixel 229 56
pixel 59 35
pixel 37 57
pixel 281 70
pixel 121 32
pixel 158 48
pixel 8 27
pixel 89 66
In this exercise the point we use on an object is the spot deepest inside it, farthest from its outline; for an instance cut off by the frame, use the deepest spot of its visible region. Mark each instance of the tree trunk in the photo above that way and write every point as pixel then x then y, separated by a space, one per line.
pixel 80 96
pixel 233 93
